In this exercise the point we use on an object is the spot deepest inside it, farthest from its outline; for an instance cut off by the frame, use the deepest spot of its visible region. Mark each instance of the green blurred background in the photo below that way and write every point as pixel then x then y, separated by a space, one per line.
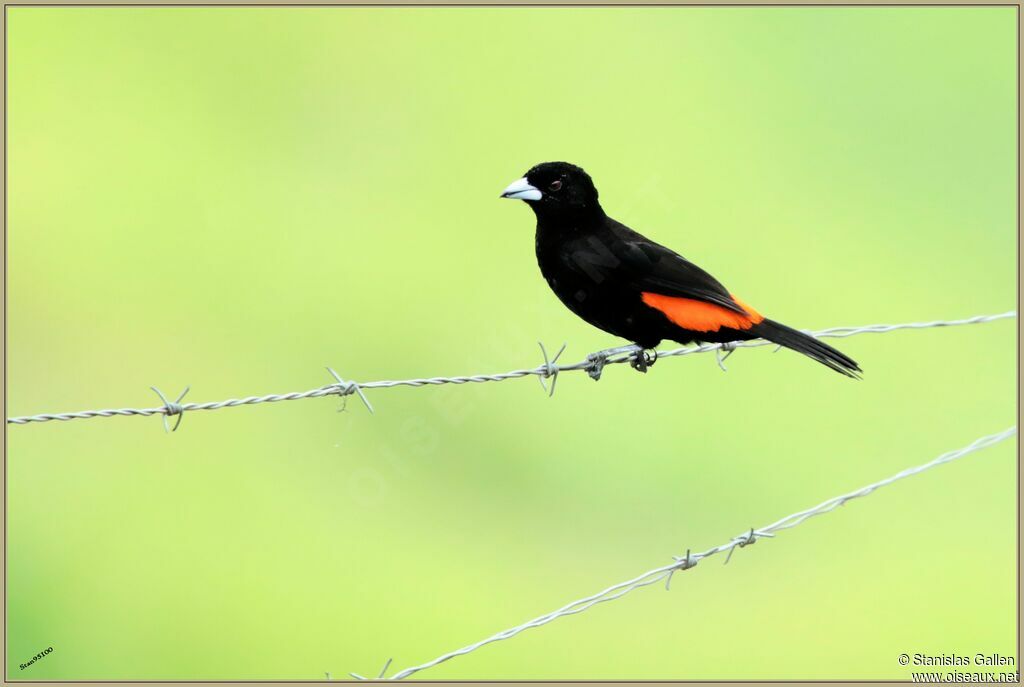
pixel 233 198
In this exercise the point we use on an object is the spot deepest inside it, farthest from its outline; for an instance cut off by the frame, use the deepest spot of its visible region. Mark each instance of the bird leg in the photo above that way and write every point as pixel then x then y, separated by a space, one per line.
pixel 640 359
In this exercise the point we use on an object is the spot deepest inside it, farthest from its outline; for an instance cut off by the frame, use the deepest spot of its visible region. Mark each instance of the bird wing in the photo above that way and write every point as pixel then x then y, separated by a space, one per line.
pixel 620 254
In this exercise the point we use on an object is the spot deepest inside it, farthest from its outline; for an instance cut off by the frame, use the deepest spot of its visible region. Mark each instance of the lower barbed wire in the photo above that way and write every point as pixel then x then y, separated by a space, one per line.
pixel 617 591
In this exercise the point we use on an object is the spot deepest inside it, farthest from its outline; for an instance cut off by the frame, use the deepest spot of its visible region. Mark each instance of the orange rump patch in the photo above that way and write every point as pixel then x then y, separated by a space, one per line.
pixel 700 316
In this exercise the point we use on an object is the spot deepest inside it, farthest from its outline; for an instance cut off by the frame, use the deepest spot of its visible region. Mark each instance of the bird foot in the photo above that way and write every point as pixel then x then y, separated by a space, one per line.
pixel 643 360
pixel 640 359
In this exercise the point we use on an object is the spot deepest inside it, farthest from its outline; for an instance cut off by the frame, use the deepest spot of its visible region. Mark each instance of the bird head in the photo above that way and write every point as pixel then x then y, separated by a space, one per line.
pixel 556 188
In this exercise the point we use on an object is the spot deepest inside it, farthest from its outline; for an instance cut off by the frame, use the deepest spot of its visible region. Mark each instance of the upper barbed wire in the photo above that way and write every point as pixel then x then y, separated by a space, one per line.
pixel 547 370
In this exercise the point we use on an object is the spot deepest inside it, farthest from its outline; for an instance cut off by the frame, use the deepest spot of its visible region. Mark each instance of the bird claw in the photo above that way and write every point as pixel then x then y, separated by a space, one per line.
pixel 640 360
pixel 643 360
pixel 595 364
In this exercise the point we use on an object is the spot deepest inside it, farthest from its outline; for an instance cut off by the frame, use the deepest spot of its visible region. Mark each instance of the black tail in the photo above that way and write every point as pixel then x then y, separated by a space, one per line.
pixel 808 345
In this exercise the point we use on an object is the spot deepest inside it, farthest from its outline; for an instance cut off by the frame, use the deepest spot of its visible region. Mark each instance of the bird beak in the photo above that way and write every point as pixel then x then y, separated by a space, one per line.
pixel 522 190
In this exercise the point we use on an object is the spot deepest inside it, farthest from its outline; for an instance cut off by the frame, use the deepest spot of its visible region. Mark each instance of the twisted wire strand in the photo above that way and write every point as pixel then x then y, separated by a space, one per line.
pixel 547 370
pixel 665 572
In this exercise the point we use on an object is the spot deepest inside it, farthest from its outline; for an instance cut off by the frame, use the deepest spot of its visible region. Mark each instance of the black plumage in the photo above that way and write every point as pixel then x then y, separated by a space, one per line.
pixel 628 285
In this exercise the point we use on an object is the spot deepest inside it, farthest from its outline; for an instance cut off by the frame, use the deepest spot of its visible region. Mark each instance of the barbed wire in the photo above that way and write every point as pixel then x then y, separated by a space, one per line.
pixel 593 365
pixel 690 560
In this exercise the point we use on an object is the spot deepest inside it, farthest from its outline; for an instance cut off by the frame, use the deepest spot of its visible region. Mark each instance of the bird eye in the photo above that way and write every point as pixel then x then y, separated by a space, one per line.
pixel 555 185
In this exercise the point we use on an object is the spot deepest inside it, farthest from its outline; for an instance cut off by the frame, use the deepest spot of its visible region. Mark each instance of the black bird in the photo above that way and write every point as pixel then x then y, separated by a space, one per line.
pixel 632 287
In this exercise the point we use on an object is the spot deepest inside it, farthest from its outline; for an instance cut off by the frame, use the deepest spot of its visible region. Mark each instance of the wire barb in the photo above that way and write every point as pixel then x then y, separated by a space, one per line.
pixel 683 564
pixel 550 369
pixel 744 540
pixel 728 348
pixel 172 408
pixel 345 389
pixel 380 676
